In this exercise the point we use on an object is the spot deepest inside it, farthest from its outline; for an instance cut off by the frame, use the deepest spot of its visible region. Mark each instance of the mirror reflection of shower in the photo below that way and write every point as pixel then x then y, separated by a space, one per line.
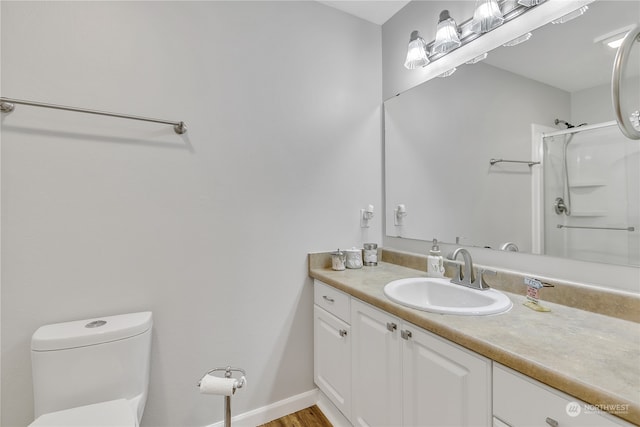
pixel 596 171
pixel 562 204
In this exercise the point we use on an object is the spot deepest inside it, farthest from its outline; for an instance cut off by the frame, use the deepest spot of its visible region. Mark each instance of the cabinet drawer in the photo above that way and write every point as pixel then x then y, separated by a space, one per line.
pixel 521 401
pixel 334 301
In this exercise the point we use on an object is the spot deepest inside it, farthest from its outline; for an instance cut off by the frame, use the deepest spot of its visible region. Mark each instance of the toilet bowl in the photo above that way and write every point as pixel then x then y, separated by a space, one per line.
pixel 92 372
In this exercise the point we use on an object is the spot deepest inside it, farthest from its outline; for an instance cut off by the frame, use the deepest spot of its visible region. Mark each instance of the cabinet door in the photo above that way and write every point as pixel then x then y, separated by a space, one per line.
pixel 377 398
pixel 332 358
pixel 444 385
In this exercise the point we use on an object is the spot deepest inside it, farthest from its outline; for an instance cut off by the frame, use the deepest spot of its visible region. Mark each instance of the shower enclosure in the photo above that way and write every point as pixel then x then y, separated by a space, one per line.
pixel 592 194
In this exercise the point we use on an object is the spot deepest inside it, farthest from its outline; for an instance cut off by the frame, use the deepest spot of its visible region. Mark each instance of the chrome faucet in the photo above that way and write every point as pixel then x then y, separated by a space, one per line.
pixel 509 246
pixel 466 276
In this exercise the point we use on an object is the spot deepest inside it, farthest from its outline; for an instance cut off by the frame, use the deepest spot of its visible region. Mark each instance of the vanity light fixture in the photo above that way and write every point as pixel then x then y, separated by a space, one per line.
pixel 447 35
pixel 571 15
pixel 523 38
pixel 486 17
pixel 416 52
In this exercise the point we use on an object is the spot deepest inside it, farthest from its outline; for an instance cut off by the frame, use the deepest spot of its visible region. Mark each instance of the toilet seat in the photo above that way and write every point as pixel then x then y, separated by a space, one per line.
pixel 113 413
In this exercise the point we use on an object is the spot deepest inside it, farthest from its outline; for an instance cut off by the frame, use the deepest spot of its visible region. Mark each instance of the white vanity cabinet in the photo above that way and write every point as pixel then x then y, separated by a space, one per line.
pixel 332 346
pixel 522 401
pixel 406 376
pixel 376 376
pixel 443 383
pixel 381 371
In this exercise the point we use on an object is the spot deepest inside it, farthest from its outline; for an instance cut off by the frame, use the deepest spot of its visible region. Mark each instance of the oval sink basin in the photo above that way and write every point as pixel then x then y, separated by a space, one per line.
pixel 442 296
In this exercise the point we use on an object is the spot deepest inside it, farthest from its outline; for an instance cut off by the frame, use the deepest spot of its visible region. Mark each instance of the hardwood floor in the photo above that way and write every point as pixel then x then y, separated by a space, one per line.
pixel 310 417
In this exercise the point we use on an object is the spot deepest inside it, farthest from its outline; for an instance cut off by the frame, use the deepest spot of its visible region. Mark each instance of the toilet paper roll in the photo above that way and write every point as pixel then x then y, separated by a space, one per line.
pixel 217 385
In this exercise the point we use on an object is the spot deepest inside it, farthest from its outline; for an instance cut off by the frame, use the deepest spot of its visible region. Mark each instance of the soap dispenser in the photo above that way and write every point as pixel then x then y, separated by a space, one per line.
pixel 435 262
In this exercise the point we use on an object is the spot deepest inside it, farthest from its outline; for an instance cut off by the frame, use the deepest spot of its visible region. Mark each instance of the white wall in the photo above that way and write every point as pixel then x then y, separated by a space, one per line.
pixel 594 105
pixel 209 230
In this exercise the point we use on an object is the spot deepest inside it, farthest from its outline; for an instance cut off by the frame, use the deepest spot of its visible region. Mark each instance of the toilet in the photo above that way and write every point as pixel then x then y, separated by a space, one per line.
pixel 92 372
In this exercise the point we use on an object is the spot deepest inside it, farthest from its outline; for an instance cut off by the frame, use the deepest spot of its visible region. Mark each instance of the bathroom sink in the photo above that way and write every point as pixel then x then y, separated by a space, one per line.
pixel 442 296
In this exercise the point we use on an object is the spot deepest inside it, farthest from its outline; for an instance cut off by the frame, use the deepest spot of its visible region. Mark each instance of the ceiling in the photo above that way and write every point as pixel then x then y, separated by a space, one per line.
pixel 377 12
pixel 568 56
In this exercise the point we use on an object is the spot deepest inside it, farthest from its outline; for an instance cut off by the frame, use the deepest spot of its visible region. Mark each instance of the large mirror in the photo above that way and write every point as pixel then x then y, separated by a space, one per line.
pixel 520 151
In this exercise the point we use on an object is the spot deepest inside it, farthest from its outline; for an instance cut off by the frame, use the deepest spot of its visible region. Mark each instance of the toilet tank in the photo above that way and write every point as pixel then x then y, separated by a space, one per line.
pixel 90 361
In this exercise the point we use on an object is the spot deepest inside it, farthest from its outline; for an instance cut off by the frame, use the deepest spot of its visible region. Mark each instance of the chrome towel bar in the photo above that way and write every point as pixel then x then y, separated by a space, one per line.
pixel 7 105
pixel 598 228
pixel 529 162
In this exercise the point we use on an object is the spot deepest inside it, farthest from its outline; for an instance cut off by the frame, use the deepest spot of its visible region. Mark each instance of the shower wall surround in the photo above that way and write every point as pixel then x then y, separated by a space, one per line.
pixel 208 229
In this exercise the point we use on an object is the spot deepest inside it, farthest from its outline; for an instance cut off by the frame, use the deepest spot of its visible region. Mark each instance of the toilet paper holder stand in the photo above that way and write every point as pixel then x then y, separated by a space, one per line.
pixel 228 374
pixel 241 382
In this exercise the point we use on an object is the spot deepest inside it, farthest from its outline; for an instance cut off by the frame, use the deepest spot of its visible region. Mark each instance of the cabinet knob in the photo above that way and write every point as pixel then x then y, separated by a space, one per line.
pixel 343 332
pixel 552 422
pixel 406 334
pixel 391 326
pixel 326 298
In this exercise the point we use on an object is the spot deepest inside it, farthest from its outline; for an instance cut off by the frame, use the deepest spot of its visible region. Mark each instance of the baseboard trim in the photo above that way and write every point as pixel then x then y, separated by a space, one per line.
pixel 330 411
pixel 274 411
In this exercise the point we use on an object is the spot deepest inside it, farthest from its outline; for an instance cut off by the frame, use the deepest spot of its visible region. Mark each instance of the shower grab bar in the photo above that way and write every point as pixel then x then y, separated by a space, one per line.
pixel 7 105
pixel 529 162
pixel 598 228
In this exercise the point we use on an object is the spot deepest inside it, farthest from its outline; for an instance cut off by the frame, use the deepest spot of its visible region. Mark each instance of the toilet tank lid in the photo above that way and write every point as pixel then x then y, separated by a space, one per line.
pixel 82 333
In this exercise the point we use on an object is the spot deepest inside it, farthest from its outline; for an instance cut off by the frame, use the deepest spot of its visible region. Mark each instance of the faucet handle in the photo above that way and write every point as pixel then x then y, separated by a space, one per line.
pixel 480 283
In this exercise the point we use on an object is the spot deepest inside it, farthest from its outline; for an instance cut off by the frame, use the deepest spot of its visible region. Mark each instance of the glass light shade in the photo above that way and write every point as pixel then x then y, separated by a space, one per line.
pixel 416 52
pixel 571 15
pixel 486 17
pixel 447 37
pixel 478 59
pixel 448 72
pixel 523 38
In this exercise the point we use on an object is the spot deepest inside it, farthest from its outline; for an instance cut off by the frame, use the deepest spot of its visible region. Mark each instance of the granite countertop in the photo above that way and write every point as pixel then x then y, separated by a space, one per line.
pixel 588 355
